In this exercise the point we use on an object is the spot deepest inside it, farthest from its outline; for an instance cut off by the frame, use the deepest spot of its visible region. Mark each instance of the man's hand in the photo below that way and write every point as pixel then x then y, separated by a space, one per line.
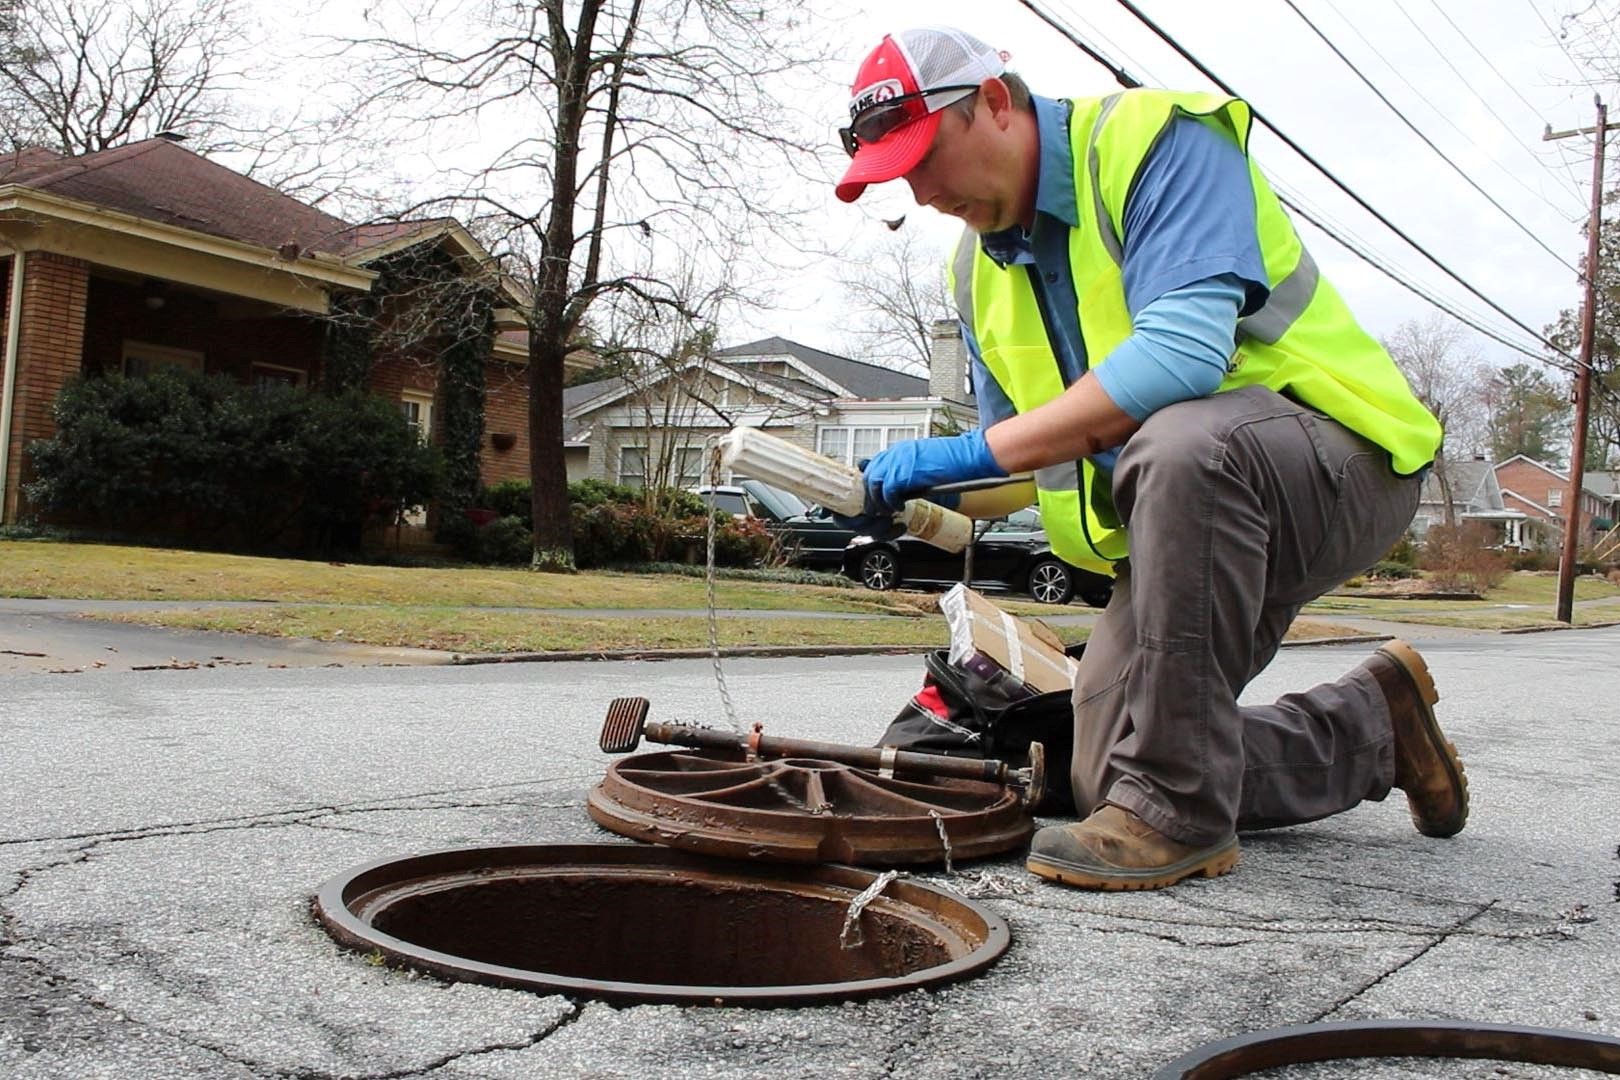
pixel 908 469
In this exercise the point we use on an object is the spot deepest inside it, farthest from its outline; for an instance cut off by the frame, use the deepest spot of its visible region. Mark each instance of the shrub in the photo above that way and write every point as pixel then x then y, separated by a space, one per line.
pixel 178 453
pixel 509 498
pixel 1461 557
pixel 1533 559
pixel 1390 570
pixel 742 543
pixel 1404 552
pixel 505 541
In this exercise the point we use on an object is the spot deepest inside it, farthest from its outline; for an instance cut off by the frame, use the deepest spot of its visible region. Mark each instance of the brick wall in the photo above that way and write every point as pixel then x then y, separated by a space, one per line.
pixel 1534 483
pixel 50 351
pixel 506 409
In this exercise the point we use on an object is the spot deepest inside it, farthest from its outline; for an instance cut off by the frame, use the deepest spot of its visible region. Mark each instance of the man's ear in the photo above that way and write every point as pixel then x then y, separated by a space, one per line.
pixel 998 99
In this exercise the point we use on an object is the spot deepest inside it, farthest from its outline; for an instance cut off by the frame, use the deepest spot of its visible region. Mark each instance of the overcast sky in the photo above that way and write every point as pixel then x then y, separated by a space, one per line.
pixel 1490 124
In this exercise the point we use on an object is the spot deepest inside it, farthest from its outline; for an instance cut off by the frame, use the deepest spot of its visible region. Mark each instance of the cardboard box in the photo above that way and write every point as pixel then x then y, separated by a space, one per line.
pixel 1027 650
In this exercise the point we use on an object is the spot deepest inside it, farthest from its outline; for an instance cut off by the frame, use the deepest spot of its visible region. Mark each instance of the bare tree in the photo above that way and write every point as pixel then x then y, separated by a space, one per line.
pixel 644 127
pixel 83 75
pixel 895 288
pixel 1447 375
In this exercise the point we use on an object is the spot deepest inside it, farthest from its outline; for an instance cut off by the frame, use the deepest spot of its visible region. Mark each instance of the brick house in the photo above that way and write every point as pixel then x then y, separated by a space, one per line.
pixel 1539 491
pixel 148 255
pixel 625 430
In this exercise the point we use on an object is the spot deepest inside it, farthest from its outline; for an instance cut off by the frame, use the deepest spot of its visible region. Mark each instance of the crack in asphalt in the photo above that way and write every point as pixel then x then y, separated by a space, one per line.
pixel 1455 930
pixel 312 817
pixel 575 1010
pixel 239 820
pixel 1559 929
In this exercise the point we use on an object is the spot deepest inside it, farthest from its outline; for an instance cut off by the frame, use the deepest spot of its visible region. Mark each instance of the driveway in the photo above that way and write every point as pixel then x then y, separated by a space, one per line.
pixel 161 833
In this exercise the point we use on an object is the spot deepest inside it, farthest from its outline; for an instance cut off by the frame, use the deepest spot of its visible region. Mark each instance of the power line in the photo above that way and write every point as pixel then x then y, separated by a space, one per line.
pixel 1458 169
pixel 1441 53
pixel 1497 71
pixel 1571 185
pixel 1204 70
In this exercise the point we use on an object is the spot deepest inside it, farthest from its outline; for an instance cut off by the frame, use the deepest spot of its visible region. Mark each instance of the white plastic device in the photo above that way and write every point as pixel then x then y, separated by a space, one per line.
pixel 833 484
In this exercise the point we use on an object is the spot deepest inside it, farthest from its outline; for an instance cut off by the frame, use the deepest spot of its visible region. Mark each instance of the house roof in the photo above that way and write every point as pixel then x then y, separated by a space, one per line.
pixel 857 378
pixel 1605 482
pixel 1473 485
pixel 159 180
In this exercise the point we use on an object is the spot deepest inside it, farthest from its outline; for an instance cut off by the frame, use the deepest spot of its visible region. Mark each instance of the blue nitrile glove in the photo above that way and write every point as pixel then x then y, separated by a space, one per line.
pixel 908 469
pixel 873 520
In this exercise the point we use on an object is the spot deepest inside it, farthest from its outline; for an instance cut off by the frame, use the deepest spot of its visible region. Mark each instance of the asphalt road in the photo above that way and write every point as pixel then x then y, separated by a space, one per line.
pixel 161 833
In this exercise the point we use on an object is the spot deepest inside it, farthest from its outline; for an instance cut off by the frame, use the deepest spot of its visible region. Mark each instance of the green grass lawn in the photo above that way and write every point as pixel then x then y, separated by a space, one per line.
pixel 113 572
pixel 1534 588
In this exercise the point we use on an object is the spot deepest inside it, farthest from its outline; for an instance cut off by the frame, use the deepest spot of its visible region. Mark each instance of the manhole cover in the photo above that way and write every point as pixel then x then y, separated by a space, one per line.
pixel 804 810
pixel 636 923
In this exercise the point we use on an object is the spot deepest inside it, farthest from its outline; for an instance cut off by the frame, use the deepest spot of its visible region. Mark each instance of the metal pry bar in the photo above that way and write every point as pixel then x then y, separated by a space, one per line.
pixel 627 724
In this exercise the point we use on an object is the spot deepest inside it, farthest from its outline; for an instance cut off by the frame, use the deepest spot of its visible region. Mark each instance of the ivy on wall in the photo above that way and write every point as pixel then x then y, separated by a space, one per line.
pixel 424 304
pixel 346 346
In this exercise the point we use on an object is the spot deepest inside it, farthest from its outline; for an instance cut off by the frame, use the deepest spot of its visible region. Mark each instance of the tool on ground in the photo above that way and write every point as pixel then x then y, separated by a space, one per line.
pixel 626 725
pixel 834 485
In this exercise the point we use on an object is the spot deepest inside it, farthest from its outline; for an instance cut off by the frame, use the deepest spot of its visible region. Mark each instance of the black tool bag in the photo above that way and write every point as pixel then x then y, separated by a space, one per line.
pixel 960 714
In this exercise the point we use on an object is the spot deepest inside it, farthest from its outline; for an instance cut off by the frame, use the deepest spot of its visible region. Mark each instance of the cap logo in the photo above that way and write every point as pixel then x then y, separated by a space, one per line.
pixel 875 94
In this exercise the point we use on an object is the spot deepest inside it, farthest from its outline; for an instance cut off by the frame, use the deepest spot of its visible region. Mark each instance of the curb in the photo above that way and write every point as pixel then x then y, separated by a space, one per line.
pixel 1548 628
pixel 1353 639
pixel 693 654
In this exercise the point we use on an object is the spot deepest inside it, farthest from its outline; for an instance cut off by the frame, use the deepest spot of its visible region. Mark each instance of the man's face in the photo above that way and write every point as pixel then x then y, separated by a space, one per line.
pixel 960 175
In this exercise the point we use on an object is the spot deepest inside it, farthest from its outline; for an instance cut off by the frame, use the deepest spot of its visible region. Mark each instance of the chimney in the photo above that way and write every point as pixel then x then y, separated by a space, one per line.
pixel 948 362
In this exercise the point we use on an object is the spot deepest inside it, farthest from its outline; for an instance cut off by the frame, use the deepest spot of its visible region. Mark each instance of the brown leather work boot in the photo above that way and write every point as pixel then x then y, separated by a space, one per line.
pixel 1427 767
pixel 1114 849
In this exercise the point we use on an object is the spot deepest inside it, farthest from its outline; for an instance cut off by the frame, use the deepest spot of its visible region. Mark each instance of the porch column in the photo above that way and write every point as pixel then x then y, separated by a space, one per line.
pixel 50 349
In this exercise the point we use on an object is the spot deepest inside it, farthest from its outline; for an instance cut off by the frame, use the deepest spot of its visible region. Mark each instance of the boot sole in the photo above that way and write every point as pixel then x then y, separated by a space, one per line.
pixel 1209 865
pixel 1413 665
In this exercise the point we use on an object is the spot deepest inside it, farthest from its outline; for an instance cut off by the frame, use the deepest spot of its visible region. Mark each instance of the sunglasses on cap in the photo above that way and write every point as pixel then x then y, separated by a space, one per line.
pixel 874 122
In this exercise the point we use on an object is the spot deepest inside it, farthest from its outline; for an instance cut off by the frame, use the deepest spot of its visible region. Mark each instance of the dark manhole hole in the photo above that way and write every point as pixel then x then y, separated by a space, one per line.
pixel 636 923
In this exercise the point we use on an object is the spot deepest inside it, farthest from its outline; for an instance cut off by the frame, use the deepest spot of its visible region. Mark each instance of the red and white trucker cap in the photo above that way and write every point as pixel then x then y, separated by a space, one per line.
pixel 909 62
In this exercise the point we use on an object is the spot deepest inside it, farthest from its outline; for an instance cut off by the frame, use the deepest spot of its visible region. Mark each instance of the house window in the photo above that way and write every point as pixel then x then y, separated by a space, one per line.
pixel 1555 498
pixel 418 410
pixel 140 358
pixel 633 466
pixel 689 466
pixel 834 443
pixel 276 375
pixel 852 444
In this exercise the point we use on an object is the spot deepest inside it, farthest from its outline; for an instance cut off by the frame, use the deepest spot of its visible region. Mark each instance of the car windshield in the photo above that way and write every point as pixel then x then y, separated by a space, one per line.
pixel 783 504
pixel 1026 520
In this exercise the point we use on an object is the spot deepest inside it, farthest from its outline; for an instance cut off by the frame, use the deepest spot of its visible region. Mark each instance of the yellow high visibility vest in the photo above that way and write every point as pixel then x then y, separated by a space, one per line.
pixel 1303 343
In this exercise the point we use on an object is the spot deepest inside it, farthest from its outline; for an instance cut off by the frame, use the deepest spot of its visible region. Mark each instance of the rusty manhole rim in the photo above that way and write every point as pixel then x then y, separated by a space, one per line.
pixel 332 911
pixel 1349 1040
pixel 919 819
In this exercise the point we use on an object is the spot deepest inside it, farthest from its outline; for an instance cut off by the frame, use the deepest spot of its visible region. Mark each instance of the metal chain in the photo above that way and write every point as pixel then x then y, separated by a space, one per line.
pixel 712 453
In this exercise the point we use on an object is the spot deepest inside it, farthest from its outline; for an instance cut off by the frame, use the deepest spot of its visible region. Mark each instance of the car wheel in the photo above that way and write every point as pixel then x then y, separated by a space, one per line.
pixel 1050 582
pixel 880 569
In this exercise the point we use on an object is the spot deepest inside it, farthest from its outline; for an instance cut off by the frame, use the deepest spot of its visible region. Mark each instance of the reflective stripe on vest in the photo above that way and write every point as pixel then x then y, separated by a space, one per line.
pixel 1303 342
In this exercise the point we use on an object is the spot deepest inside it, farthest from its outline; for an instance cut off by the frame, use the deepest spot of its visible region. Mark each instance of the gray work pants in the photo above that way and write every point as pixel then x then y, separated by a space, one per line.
pixel 1241 507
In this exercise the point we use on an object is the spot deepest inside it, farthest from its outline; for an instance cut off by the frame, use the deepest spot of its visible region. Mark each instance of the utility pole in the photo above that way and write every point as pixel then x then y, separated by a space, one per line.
pixel 1583 372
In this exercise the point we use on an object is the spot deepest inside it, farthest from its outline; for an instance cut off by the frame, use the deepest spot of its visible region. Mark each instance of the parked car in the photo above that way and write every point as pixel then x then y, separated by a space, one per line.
pixel 820 541
pixel 1013 554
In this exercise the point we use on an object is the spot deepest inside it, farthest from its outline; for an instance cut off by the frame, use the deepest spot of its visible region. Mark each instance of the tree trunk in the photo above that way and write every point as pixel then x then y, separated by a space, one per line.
pixel 1443 480
pixel 548 471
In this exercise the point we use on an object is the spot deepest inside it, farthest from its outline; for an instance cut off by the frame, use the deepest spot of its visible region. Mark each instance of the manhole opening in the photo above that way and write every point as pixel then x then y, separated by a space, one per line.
pixel 653 924
pixel 692 933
